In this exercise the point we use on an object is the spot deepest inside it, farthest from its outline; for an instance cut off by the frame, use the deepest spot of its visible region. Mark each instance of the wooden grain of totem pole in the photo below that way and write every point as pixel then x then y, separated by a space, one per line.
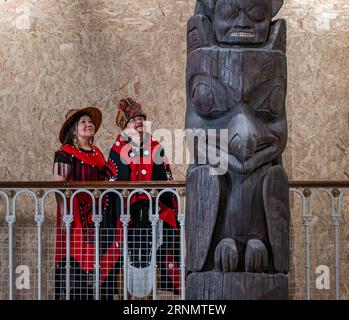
pixel 237 223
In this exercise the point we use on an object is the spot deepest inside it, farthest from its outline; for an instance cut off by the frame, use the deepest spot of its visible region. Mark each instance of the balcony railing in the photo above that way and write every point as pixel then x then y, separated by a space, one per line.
pixel 28 242
pixel 33 248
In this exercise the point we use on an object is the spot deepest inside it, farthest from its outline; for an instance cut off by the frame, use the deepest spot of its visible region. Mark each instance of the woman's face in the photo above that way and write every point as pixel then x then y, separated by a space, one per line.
pixel 85 128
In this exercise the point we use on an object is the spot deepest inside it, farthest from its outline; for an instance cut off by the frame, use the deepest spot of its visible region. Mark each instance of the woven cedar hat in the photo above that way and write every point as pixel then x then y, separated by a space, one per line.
pixel 128 109
pixel 74 114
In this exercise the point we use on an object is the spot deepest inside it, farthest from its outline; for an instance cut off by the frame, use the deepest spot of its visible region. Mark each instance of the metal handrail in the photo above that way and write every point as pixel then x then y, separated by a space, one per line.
pixel 90 184
pixel 148 184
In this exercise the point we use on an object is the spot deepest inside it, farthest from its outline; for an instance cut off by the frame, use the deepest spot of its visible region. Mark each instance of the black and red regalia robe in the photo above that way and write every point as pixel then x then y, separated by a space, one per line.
pixel 147 162
pixel 81 165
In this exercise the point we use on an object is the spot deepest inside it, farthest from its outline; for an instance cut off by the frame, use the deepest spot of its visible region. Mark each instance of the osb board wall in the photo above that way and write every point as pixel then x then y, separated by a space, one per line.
pixel 75 53
pixel 317 93
pixel 57 55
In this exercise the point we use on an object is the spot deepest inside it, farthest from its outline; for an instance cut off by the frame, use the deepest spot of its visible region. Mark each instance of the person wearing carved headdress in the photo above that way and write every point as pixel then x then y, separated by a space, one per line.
pixel 136 156
pixel 78 159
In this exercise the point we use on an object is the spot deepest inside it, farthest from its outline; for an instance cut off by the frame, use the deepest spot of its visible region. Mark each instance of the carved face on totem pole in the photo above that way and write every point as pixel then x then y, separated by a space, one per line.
pixel 241 89
pixel 243 92
pixel 235 22
pixel 244 21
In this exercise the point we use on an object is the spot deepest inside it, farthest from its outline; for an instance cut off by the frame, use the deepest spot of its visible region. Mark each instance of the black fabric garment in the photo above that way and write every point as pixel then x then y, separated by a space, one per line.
pixel 79 171
pixel 139 229
pixel 82 284
pixel 81 287
pixel 140 243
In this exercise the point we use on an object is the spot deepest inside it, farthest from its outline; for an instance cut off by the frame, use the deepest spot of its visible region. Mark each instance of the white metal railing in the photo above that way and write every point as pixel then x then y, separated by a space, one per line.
pixel 319 237
pixel 40 193
pixel 322 208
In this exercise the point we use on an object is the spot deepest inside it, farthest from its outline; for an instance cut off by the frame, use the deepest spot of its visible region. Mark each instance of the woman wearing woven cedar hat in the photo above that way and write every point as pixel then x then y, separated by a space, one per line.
pixel 79 159
pixel 135 156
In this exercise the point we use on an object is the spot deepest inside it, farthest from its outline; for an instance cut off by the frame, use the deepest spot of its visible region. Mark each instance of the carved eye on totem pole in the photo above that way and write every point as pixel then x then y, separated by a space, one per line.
pixel 271 107
pixel 213 101
pixel 250 105
pixel 209 95
pixel 244 21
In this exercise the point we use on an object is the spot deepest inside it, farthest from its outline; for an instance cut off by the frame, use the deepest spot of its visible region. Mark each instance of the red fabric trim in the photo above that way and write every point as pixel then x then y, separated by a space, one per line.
pixel 113 254
pixel 122 149
pixel 113 168
pixel 92 159
pixel 82 247
pixel 168 215
pixel 136 198
pixel 81 244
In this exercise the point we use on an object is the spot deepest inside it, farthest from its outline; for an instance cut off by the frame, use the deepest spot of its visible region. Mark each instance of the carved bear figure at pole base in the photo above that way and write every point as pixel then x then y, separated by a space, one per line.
pixel 238 222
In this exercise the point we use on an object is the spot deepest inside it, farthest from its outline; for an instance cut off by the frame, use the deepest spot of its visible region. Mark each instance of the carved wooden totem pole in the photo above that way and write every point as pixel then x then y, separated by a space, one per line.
pixel 237 223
